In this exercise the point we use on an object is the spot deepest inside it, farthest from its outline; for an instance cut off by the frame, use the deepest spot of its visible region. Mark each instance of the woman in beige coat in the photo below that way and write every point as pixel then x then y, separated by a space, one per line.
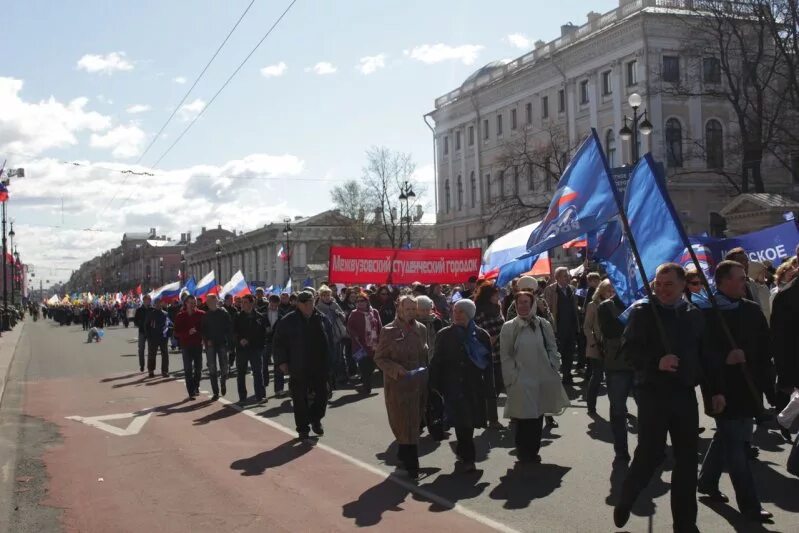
pixel 402 349
pixel 593 342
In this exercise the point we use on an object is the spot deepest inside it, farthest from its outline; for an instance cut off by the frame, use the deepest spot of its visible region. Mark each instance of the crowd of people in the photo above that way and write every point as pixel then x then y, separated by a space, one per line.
pixel 446 354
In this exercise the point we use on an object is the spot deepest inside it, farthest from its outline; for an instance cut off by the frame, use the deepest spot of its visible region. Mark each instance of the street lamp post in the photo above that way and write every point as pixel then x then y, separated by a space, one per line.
pixel 640 124
pixel 287 232
pixel 161 269
pixel 11 235
pixel 406 193
pixel 183 267
pixel 218 253
pixel 15 271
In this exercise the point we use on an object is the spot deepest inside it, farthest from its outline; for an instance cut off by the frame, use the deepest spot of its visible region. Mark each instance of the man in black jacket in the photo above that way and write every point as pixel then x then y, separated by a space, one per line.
pixel 217 330
pixel 303 347
pixel 250 334
pixel 157 337
pixel 663 340
pixel 272 315
pixel 785 339
pixel 746 371
pixel 232 311
pixel 140 321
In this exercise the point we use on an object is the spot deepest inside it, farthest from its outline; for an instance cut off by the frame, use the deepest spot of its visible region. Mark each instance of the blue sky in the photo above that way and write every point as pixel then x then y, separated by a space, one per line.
pixel 99 78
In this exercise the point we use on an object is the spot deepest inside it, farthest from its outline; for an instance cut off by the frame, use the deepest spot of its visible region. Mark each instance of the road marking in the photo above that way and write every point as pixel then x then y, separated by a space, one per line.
pixel 407 485
pixel 139 419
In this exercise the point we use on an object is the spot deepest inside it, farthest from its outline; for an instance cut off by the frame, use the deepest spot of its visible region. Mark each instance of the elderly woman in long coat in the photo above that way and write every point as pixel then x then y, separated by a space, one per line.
pixel 529 357
pixel 460 371
pixel 401 351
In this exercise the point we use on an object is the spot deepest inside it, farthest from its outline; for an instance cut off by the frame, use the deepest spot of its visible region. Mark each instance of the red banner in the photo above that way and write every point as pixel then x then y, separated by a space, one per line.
pixel 402 267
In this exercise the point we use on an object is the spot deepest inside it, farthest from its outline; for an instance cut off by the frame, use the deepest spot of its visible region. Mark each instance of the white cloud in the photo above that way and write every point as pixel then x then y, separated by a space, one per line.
pixel 519 40
pixel 274 71
pixel 32 128
pixel 123 141
pixel 424 174
pixel 370 64
pixel 104 100
pixel 180 80
pixel 436 53
pixel 192 109
pixel 106 64
pixel 322 68
pixel 137 108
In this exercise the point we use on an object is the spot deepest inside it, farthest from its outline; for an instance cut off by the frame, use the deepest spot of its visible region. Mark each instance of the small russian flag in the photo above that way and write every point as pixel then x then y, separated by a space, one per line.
pixel 3 192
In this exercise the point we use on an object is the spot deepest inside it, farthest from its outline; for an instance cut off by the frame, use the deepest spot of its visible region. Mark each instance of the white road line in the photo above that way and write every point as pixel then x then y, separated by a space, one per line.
pixel 410 487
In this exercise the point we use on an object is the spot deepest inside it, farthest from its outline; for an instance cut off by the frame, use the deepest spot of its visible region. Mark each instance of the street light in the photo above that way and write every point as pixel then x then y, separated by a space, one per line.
pixel 183 267
pixel 218 252
pixel 640 124
pixel 11 235
pixel 287 232
pixel 14 275
pixel 406 194
pixel 161 268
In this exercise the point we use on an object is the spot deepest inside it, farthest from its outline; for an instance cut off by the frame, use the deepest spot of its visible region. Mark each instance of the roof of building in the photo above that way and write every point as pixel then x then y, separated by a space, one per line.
pixel 748 202
pixel 485 70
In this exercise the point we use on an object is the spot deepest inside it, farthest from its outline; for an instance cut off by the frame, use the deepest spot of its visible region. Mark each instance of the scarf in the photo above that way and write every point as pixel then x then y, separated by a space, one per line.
pixel 370 328
pixel 477 352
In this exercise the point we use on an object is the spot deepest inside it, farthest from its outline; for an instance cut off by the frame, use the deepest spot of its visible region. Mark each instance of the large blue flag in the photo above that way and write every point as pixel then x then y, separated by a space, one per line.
pixel 191 285
pixel 583 201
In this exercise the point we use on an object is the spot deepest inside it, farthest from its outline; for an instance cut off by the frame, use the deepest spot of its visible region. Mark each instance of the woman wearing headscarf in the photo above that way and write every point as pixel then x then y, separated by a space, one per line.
pixel 593 342
pixel 459 372
pixel 489 317
pixel 529 357
pixel 401 353
pixel 425 314
pixel 363 327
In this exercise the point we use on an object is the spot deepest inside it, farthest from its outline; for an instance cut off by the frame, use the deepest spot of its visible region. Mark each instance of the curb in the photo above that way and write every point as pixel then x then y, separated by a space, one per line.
pixel 8 348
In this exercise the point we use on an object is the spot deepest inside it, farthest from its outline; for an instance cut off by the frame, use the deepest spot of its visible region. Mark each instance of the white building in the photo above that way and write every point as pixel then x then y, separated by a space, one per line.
pixel 580 81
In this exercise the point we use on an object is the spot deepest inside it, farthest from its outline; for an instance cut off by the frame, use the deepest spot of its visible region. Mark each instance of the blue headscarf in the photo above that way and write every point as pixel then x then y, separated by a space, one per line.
pixel 476 350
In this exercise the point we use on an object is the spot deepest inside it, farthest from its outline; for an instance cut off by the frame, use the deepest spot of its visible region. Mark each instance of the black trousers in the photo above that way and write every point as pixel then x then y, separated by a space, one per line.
pixel 408 455
pixel 465 447
pixel 528 437
pixel 366 367
pixel 153 345
pixel 309 398
pixel 566 346
pixel 673 412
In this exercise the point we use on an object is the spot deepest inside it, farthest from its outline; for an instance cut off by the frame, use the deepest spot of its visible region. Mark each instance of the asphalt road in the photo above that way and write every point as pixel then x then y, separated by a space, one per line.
pixel 209 466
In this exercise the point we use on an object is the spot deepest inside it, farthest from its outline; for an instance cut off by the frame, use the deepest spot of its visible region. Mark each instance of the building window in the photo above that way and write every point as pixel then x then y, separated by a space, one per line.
pixel 488 188
pixel 501 184
pixel 513 119
pixel 711 70
pixel 485 129
pixel 671 69
pixel 529 109
pixel 545 107
pixel 473 189
pixel 673 143
pixel 446 195
pixel 607 82
pixel 471 135
pixel 457 140
pixel 610 148
pixel 460 194
pixel 632 73
pixel 499 125
pixel 516 181
pixel 584 92
pixel 561 101
pixel 714 144
pixel 446 144
pixel 530 180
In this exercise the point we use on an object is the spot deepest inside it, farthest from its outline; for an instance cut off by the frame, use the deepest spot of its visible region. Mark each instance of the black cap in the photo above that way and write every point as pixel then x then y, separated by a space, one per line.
pixel 304 297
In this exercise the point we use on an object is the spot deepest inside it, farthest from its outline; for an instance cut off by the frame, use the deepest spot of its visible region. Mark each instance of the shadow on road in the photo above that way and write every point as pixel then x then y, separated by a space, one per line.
pixel 279 456
pixel 219 414
pixel 348 399
pixel 189 406
pixel 599 429
pixel 369 508
pixel 525 483
pixel 117 378
pixel 455 487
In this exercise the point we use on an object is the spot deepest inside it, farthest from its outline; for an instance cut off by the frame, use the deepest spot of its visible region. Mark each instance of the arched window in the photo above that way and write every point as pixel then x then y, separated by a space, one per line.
pixel 473 189
pixel 501 184
pixel 714 144
pixel 610 148
pixel 460 193
pixel 488 188
pixel 673 143
pixel 446 196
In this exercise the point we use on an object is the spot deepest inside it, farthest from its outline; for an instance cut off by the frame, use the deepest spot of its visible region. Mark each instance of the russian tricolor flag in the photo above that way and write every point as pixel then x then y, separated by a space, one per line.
pixel 168 293
pixel 206 286
pixel 237 286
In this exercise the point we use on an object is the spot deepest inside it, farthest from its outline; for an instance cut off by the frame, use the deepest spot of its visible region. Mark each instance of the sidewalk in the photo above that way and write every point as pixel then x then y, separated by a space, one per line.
pixel 8 346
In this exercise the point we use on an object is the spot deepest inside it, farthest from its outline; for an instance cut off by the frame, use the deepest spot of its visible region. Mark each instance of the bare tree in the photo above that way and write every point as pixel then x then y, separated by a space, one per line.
pixel 528 171
pixel 354 202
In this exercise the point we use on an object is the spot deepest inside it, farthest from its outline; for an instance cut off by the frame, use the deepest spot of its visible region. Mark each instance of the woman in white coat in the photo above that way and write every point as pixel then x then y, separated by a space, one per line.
pixel 529 359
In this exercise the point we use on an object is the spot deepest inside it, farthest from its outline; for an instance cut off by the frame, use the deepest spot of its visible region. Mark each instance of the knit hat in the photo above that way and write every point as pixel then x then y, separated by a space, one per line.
pixel 527 283
pixel 467 306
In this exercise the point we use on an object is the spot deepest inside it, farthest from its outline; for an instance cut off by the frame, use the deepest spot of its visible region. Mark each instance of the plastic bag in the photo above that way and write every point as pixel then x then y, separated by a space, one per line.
pixel 790 414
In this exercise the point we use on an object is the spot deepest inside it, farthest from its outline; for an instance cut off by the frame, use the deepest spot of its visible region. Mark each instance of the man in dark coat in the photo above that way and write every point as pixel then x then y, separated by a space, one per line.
pixel 140 321
pixel 249 330
pixel 157 338
pixel 562 302
pixel 459 371
pixel 746 371
pixel 785 338
pixel 303 348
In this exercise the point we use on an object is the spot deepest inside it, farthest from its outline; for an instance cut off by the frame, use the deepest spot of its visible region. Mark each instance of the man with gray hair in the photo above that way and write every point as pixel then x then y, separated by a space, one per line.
pixel 562 302
pixel 426 315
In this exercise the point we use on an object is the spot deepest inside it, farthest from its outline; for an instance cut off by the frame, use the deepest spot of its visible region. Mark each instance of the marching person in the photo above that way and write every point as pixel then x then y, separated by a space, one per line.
pixel 663 339
pixel 188 330
pixel 157 327
pixel 594 342
pixel 140 321
pixel 401 350
pixel 364 328
pixel 333 312
pixel 749 355
pixel 785 340
pixel 529 360
pixel 425 313
pixel 232 311
pixel 217 329
pixel 249 331
pixel 488 316
pixel 303 349
pixel 272 315
pixel 562 303
pixel 459 371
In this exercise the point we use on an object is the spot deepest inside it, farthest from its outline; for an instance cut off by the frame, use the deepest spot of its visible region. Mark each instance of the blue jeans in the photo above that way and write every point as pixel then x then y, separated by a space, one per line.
pixel 729 448
pixel 192 367
pixel 253 356
pixel 217 353
pixel 620 385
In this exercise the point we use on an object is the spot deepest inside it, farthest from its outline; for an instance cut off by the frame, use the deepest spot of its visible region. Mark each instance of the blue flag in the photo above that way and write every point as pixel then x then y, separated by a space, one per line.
pixel 191 285
pixel 583 201
pixel 613 253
